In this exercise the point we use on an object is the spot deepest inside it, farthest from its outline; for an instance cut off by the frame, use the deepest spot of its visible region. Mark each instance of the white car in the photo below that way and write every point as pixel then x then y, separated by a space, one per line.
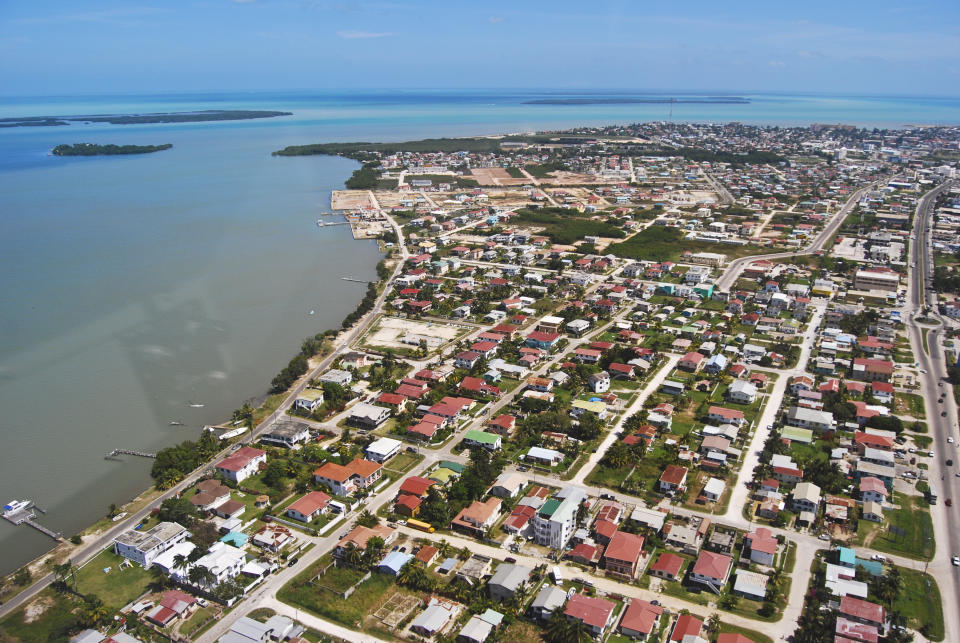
pixel 923 371
pixel 949 440
pixel 956 561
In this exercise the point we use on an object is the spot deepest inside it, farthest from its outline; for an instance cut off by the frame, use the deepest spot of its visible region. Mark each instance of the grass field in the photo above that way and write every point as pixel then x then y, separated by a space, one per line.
pixel 919 602
pixel 328 605
pixel 53 625
pixel 403 462
pixel 913 518
pixel 117 587
pixel 198 620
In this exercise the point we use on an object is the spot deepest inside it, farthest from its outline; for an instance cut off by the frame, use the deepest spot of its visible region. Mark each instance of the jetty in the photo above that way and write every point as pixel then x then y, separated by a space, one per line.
pixel 22 513
pixel 354 279
pixel 322 224
pixel 113 454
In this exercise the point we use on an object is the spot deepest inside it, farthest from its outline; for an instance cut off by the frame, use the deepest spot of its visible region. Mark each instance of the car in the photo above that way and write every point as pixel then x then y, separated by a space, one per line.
pixel 956 561
pixel 879 558
pixel 824 536
pixel 923 370
pixel 912 450
pixel 949 462
pixel 401 522
pixel 940 400
pixel 950 440
pixel 510 559
pixel 929 454
pixel 292 562
pixel 943 414
pixel 949 502
pixel 657 603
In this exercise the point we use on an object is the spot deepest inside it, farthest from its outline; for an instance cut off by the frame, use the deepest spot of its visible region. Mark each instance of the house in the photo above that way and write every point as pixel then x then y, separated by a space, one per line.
pixel 545 457
pixel 667 566
pixel 477 517
pixel 872 370
pixel 309 506
pixel 750 585
pixel 547 601
pixel 395 402
pixel 763 546
pixel 806 497
pixel 801 383
pixel 587 355
pixel 716 364
pixel 286 433
pixel 368 416
pixel 309 400
pixel 687 625
pixel 393 562
pixel 622 555
pixel 805 418
pixel 503 424
pixel 599 382
pixel 691 362
pixel 210 494
pixel 467 359
pixel 489 441
pixel 555 520
pixel 479 627
pixel 173 605
pixel 672 387
pixel 439 613
pixel 579 407
pixel 541 340
pixel 673 478
pixel 726 416
pixel 713 489
pixel 344 480
pixel 382 449
pixel 506 579
pixel 223 561
pixel 742 392
pixel 712 570
pixel 273 537
pixel 873 490
pixel 508 485
pixel 788 475
pixel 241 464
pixel 883 391
pixel 861 611
pixel 595 613
pixel 479 387
pixel 143 547
pixel 359 536
pixel 640 619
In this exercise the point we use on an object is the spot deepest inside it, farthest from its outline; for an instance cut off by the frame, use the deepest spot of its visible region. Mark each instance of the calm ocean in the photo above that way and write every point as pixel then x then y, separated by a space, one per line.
pixel 133 286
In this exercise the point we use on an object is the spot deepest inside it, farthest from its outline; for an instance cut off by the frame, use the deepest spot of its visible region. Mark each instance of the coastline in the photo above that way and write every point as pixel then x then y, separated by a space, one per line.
pixel 86 550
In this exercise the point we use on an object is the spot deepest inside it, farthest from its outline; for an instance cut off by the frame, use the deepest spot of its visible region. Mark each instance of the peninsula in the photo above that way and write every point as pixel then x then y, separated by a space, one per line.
pixel 94 149
pixel 143 119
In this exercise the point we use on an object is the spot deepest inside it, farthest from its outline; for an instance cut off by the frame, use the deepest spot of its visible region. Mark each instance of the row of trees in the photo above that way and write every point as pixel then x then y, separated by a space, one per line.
pixel 172 464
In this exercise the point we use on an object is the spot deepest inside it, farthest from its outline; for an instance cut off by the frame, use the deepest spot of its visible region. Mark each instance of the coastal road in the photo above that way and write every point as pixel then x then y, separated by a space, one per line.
pixel 91 548
pixel 732 273
pixel 942 415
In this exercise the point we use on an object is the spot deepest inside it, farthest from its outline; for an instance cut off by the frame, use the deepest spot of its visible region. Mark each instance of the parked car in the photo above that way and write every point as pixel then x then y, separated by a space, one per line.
pixel 956 561
pixel 949 502
pixel 292 562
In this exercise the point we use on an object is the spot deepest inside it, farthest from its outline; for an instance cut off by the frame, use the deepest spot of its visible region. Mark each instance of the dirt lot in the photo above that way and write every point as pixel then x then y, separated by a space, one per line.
pixel 389 332
pixel 496 176
pixel 350 200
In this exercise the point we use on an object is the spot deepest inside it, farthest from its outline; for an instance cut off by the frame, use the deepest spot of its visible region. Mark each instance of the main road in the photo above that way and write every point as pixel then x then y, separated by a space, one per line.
pixel 736 266
pixel 942 414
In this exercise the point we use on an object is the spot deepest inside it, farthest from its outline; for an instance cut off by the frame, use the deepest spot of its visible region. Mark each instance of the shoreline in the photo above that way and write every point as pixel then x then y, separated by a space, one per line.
pixel 65 549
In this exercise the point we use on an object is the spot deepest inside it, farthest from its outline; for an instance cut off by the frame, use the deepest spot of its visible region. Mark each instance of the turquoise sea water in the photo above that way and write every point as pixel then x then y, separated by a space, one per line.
pixel 132 286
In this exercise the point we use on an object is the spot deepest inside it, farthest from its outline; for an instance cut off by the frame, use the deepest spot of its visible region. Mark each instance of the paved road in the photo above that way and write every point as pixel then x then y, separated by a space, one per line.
pixel 736 266
pixel 946 522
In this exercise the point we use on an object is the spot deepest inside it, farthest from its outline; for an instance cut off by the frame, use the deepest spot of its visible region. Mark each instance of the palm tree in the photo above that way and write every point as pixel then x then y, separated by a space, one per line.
pixel 180 562
pixel 353 556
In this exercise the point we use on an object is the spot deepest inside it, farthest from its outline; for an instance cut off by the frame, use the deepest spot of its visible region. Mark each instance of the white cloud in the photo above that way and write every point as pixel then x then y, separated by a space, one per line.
pixel 495 19
pixel 352 35
pixel 777 63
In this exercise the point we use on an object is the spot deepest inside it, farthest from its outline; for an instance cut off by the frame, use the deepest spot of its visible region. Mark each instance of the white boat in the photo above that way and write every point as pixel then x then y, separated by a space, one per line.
pixel 195 406
pixel 16 505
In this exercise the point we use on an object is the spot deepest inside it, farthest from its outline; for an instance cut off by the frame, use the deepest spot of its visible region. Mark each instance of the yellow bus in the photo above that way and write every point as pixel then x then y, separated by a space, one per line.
pixel 422 526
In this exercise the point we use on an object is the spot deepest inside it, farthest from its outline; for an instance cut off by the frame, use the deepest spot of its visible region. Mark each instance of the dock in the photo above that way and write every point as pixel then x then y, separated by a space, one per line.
pixel 143 454
pixel 26 516
pixel 354 279
pixel 324 224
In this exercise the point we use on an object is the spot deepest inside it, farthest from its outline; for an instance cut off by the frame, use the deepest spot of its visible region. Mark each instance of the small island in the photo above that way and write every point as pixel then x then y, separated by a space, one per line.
pixel 93 149
pixel 141 119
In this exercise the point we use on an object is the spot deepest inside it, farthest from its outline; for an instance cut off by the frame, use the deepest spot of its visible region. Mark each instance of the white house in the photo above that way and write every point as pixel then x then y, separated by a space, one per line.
pixel 383 449
pixel 241 464
pixel 143 547
pixel 742 392
pixel 223 561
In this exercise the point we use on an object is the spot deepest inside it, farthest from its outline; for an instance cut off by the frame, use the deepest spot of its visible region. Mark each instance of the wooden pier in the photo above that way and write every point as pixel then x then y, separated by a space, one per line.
pixel 354 279
pixel 113 454
pixel 27 517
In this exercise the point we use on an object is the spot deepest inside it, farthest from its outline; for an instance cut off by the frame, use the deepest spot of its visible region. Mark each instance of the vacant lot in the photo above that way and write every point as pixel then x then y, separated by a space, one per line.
pixel 908 531
pixel 496 176
pixel 116 587
pixel 391 331
pixel 919 602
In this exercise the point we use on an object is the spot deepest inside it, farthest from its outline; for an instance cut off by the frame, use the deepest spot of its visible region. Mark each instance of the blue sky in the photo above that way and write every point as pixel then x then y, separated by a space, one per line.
pixel 876 47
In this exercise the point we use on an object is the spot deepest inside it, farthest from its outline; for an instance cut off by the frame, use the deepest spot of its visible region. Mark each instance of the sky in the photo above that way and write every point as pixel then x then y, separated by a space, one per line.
pixel 846 47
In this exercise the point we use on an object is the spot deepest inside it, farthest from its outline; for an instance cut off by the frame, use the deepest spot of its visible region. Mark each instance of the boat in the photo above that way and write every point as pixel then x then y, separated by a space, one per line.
pixel 16 505
pixel 195 406
pixel 175 423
